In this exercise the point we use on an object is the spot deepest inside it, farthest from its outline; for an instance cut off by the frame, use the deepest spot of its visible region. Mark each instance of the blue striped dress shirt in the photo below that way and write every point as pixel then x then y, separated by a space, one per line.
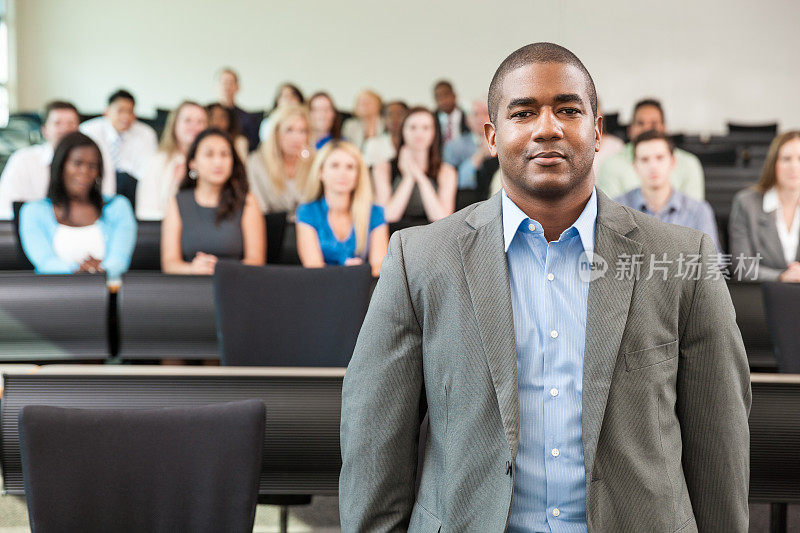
pixel 549 299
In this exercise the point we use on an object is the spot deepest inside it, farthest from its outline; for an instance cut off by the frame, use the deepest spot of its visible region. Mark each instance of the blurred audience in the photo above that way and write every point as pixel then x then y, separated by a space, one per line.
pixel 654 160
pixel 227 88
pixel 469 153
pixel 393 115
pixel 26 176
pixel 212 216
pixel 367 130
pixel 130 143
pixel 326 123
pixel 609 145
pixel 452 120
pixel 417 184
pixel 278 170
pixel 165 169
pixel 340 225
pixel 225 119
pixel 76 229
pixel 765 218
pixel 617 175
pixel 288 94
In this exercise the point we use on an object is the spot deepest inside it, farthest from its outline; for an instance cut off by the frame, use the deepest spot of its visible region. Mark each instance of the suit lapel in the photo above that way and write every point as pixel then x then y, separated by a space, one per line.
pixel 607 314
pixel 486 271
pixel 770 241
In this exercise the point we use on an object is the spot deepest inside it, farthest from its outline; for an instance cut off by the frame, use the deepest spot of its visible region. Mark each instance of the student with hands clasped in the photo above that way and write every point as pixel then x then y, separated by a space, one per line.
pixel 213 216
pixel 340 225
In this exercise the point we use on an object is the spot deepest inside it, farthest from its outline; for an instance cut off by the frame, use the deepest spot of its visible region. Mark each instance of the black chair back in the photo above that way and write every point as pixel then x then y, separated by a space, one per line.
pixel 46 318
pixel 173 469
pixel 276 231
pixel 782 302
pixel 749 306
pixel 126 186
pixel 289 316
pixel 9 246
pixel 735 128
pixel 166 316
pixel 23 263
pixel 147 252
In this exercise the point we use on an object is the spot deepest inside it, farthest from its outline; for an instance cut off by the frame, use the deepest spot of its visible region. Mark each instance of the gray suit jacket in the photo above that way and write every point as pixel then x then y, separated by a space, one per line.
pixel 753 231
pixel 666 389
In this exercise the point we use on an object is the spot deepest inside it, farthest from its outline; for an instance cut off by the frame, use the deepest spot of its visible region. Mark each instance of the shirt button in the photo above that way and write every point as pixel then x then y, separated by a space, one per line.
pixel 554 452
pixel 554 334
pixel 556 512
pixel 532 227
pixel 550 277
pixel 554 392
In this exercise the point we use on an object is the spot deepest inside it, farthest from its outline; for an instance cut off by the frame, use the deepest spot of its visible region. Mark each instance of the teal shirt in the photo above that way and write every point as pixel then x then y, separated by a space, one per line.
pixel 38 225
pixel 617 176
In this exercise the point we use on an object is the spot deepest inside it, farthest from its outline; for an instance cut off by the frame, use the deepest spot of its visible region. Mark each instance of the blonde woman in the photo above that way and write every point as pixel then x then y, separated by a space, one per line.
pixel 368 131
pixel 340 225
pixel 165 169
pixel 278 170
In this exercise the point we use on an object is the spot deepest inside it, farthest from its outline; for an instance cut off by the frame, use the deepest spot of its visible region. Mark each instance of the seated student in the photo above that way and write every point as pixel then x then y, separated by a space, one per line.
pixel 452 120
pixel 326 123
pixel 227 88
pixel 129 142
pixel 367 130
pixel 393 115
pixel 165 169
pixel 469 153
pixel 76 229
pixel 212 216
pixel 653 161
pixel 278 170
pixel 765 218
pixel 224 119
pixel 417 185
pixel 26 176
pixel 617 175
pixel 288 94
pixel 340 225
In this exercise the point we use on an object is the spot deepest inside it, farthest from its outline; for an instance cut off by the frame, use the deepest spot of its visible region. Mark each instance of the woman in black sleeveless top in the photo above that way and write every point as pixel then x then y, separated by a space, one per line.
pixel 213 216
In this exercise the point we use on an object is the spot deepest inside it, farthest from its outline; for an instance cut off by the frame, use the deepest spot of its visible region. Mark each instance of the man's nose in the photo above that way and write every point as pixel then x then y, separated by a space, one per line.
pixel 547 126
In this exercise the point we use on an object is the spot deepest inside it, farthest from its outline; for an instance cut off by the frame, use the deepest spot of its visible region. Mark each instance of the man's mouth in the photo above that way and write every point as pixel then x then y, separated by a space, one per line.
pixel 548 159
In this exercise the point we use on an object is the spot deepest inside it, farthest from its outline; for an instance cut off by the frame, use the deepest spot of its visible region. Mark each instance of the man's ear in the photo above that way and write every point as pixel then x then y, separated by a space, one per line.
pixel 598 132
pixel 489 132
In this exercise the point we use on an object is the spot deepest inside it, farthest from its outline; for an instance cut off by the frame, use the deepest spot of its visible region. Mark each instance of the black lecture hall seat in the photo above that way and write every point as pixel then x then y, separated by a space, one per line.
pixel 782 304
pixel 161 470
pixel 289 316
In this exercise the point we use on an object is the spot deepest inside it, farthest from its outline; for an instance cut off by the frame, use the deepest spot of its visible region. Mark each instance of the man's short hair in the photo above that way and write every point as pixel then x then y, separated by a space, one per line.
pixel 121 93
pixel 443 83
pixel 652 102
pixel 653 135
pixel 58 105
pixel 537 53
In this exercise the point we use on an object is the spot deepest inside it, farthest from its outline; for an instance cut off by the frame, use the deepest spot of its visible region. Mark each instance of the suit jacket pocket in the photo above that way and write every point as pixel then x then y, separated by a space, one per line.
pixel 423 520
pixel 651 356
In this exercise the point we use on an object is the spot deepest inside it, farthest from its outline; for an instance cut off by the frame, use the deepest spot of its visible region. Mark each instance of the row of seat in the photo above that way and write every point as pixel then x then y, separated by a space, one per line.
pixel 274 315
pixel 301 452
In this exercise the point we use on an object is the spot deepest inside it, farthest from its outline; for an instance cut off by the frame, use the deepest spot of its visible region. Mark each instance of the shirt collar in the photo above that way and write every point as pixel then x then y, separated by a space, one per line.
pixel 770 202
pixel 674 202
pixel 111 132
pixel 513 216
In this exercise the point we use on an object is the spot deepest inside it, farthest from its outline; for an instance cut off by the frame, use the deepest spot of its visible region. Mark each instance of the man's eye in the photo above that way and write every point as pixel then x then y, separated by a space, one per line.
pixel 522 114
pixel 570 111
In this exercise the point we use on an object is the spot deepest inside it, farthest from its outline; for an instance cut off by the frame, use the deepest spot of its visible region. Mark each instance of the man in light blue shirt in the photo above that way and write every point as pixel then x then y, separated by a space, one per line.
pixel 654 161
pixel 549 296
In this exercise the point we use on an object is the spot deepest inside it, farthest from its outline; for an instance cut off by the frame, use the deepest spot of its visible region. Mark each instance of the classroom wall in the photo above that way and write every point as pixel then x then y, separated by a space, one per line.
pixel 709 61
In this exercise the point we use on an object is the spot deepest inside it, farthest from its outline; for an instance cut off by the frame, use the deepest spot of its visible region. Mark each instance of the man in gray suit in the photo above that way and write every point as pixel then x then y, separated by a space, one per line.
pixel 579 361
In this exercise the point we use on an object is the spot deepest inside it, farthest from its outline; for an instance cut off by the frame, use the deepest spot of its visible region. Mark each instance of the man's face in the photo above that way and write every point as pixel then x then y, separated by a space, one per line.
pixel 59 123
pixel 478 116
pixel 545 134
pixel 646 118
pixel 653 162
pixel 445 98
pixel 120 114
pixel 228 86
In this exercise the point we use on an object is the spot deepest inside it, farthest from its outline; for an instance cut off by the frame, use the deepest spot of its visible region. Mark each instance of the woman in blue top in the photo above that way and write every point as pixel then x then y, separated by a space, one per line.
pixel 340 225
pixel 75 229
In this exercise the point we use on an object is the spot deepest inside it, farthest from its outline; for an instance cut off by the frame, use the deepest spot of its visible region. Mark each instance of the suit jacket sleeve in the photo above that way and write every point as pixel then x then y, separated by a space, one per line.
pixel 381 398
pixel 713 405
